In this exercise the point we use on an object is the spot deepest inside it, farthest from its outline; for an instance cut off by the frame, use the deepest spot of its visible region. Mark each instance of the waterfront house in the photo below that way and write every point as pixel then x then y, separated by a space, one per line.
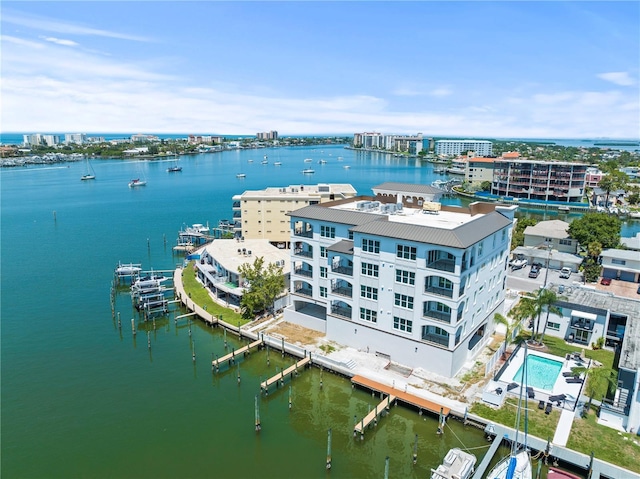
pixel 416 283
pixel 621 264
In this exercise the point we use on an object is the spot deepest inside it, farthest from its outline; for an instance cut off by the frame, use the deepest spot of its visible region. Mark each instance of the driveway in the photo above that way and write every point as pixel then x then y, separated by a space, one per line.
pixel 519 279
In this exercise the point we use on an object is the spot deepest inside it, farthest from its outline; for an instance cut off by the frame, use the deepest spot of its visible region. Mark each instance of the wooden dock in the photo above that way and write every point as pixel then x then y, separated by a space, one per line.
pixel 245 349
pixel 385 404
pixel 264 385
pixel 407 398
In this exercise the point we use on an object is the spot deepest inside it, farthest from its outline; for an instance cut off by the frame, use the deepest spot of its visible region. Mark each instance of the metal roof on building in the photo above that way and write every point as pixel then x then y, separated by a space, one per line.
pixel 462 236
pixel 343 246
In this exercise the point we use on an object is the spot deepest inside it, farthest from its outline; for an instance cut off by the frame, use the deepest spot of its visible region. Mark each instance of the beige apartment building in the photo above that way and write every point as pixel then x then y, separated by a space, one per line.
pixel 261 214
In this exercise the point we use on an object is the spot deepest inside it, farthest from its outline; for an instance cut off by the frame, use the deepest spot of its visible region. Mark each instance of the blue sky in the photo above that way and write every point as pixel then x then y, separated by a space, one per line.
pixel 477 69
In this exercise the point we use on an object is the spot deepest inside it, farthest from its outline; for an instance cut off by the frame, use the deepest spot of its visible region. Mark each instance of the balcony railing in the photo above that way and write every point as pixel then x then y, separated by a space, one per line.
pixel 346 270
pixel 343 291
pixel 443 265
pixel 439 291
pixel 436 339
pixel 304 291
pixel 302 252
pixel 585 325
pixel 341 311
pixel 236 204
pixel 437 315
pixel 304 233
pixel 303 272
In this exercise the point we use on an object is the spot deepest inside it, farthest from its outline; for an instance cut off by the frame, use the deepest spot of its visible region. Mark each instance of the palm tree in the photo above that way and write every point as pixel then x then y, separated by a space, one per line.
pixel 598 378
pixel 531 307
pixel 612 181
pixel 500 319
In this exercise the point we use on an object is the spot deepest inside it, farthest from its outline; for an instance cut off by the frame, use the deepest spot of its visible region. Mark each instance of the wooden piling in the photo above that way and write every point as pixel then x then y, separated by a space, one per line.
pixel 257 414
pixel 329 449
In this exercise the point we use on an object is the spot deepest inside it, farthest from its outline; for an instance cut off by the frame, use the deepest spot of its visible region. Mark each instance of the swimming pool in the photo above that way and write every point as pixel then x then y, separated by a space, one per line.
pixel 541 372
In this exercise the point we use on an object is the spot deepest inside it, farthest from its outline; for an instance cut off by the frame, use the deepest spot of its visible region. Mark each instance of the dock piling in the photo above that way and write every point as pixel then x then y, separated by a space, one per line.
pixel 133 326
pixel 257 412
pixel 289 398
pixel 329 449
pixel 119 323
pixel 415 450
pixel 148 340
pixel 193 357
pixel 282 348
pixel 238 374
pixel 386 468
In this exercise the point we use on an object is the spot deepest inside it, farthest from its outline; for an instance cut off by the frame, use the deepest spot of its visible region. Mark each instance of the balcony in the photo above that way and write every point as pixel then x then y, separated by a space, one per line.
pixel 303 272
pixel 437 315
pixel 304 233
pixel 342 290
pixel 443 265
pixel 436 339
pixel 439 291
pixel 304 253
pixel 304 291
pixel 237 214
pixel 342 311
pixel 236 204
pixel 346 270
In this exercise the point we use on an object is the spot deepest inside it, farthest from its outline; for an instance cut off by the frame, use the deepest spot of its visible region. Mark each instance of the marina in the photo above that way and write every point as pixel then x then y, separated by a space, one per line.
pixel 139 383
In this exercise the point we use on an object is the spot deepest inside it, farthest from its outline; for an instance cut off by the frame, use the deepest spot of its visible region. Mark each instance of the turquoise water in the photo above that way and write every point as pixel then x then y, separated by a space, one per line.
pixel 81 398
pixel 541 372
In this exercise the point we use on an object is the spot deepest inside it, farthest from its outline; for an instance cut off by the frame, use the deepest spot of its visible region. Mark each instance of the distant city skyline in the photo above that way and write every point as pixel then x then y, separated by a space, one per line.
pixel 445 69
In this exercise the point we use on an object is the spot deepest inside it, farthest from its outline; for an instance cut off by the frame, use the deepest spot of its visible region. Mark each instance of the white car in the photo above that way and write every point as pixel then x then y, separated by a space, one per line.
pixel 518 264
pixel 565 273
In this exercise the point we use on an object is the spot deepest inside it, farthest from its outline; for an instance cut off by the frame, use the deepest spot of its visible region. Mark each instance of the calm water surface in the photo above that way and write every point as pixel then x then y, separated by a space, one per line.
pixel 81 398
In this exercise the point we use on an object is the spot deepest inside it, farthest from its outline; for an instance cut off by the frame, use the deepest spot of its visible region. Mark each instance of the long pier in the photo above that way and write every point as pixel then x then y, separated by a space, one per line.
pixel 264 385
pixel 236 352
pixel 405 397
pixel 385 404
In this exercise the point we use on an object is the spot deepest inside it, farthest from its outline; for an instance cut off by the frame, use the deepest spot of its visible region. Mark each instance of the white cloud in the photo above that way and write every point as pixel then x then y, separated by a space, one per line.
pixel 619 78
pixel 440 92
pixel 60 41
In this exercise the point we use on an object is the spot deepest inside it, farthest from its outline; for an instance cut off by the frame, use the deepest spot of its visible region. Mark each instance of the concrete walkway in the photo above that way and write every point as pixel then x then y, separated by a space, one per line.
pixel 564 428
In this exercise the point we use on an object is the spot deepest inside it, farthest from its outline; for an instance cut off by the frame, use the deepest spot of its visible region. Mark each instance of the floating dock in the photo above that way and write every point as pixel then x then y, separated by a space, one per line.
pixel 232 355
pixel 385 404
pixel 264 385
pixel 405 397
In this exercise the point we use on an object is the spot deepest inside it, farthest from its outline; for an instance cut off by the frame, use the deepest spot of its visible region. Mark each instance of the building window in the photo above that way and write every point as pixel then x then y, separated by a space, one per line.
pixel 351 235
pixel 369 315
pixel 554 326
pixel 406 252
pixel 368 292
pixel 327 231
pixel 323 292
pixel 618 261
pixel 369 269
pixel 323 272
pixel 402 324
pixel 565 242
pixel 404 301
pixel 406 277
pixel 480 248
pixel 323 252
pixel 370 246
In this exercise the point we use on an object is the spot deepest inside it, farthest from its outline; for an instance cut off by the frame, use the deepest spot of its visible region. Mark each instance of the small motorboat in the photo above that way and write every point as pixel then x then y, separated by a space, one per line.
pixel 241 175
pixel 173 169
pixel 308 171
pixel 137 182
pixel 457 464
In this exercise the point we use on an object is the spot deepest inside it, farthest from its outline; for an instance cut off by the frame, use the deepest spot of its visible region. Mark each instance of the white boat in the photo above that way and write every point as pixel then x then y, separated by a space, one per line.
pixel 308 160
pixel 346 167
pixel 322 162
pixel 90 174
pixel 137 182
pixel 308 171
pixel 277 163
pixel 457 464
pixel 241 175
pixel 634 214
pixel 264 162
pixel 173 169
pixel 517 465
pixel 563 208
pixel 128 269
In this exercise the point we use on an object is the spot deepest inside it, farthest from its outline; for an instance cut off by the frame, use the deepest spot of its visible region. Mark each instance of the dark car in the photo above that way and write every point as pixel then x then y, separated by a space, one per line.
pixel 638 290
pixel 535 270
pixel 605 281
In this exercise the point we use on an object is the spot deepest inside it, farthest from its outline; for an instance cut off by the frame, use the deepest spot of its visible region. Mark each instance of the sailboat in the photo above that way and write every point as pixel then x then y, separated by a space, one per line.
pixel 137 182
pixel 517 465
pixel 89 175
pixel 175 168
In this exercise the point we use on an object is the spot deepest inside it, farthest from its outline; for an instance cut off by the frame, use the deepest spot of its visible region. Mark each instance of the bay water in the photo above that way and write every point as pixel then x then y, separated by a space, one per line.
pixel 83 398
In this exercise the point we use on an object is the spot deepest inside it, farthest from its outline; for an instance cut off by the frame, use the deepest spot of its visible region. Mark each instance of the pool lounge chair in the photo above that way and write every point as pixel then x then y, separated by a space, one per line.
pixel 574 380
pixel 569 374
pixel 530 393
pixel 541 404
pixel 547 410
pixel 557 399
pixel 512 386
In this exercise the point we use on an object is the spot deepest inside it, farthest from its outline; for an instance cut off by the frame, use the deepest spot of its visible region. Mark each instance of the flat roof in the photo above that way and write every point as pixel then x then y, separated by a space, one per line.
pixel 621 254
pixel 549 228
pixel 296 191
pixel 225 252
pixel 394 187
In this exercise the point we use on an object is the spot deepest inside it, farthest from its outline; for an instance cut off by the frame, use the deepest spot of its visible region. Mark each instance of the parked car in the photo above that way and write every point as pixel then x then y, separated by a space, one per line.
pixel 605 281
pixel 518 263
pixel 565 273
pixel 535 270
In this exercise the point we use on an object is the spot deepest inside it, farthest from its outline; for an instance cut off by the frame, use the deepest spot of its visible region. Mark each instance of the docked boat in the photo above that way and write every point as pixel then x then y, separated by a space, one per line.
pixel 555 473
pixel 128 269
pixel 455 171
pixel 563 208
pixel 517 465
pixel 308 171
pixel 137 182
pixel 457 464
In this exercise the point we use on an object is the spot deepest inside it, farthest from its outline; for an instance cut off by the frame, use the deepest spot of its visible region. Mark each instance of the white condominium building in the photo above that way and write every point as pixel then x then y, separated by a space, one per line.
pixel 455 147
pixel 415 281
pixel 261 214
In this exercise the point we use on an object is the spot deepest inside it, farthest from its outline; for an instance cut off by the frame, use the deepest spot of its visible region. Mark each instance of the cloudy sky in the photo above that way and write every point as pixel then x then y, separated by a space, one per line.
pixel 479 69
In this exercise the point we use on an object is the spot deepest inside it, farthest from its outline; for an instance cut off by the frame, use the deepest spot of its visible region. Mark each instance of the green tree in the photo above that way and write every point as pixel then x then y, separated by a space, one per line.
pixel 600 381
pixel 532 306
pixel 615 180
pixel 518 232
pixel 500 319
pixel 600 227
pixel 153 149
pixel 266 283
pixel 485 186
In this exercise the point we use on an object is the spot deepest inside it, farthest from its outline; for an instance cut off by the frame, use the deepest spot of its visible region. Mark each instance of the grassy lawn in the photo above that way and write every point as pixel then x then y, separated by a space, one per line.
pixel 200 296
pixel 586 435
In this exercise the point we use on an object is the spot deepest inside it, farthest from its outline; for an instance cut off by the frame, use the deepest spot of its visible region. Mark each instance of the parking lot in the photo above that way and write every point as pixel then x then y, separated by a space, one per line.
pixel 519 279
